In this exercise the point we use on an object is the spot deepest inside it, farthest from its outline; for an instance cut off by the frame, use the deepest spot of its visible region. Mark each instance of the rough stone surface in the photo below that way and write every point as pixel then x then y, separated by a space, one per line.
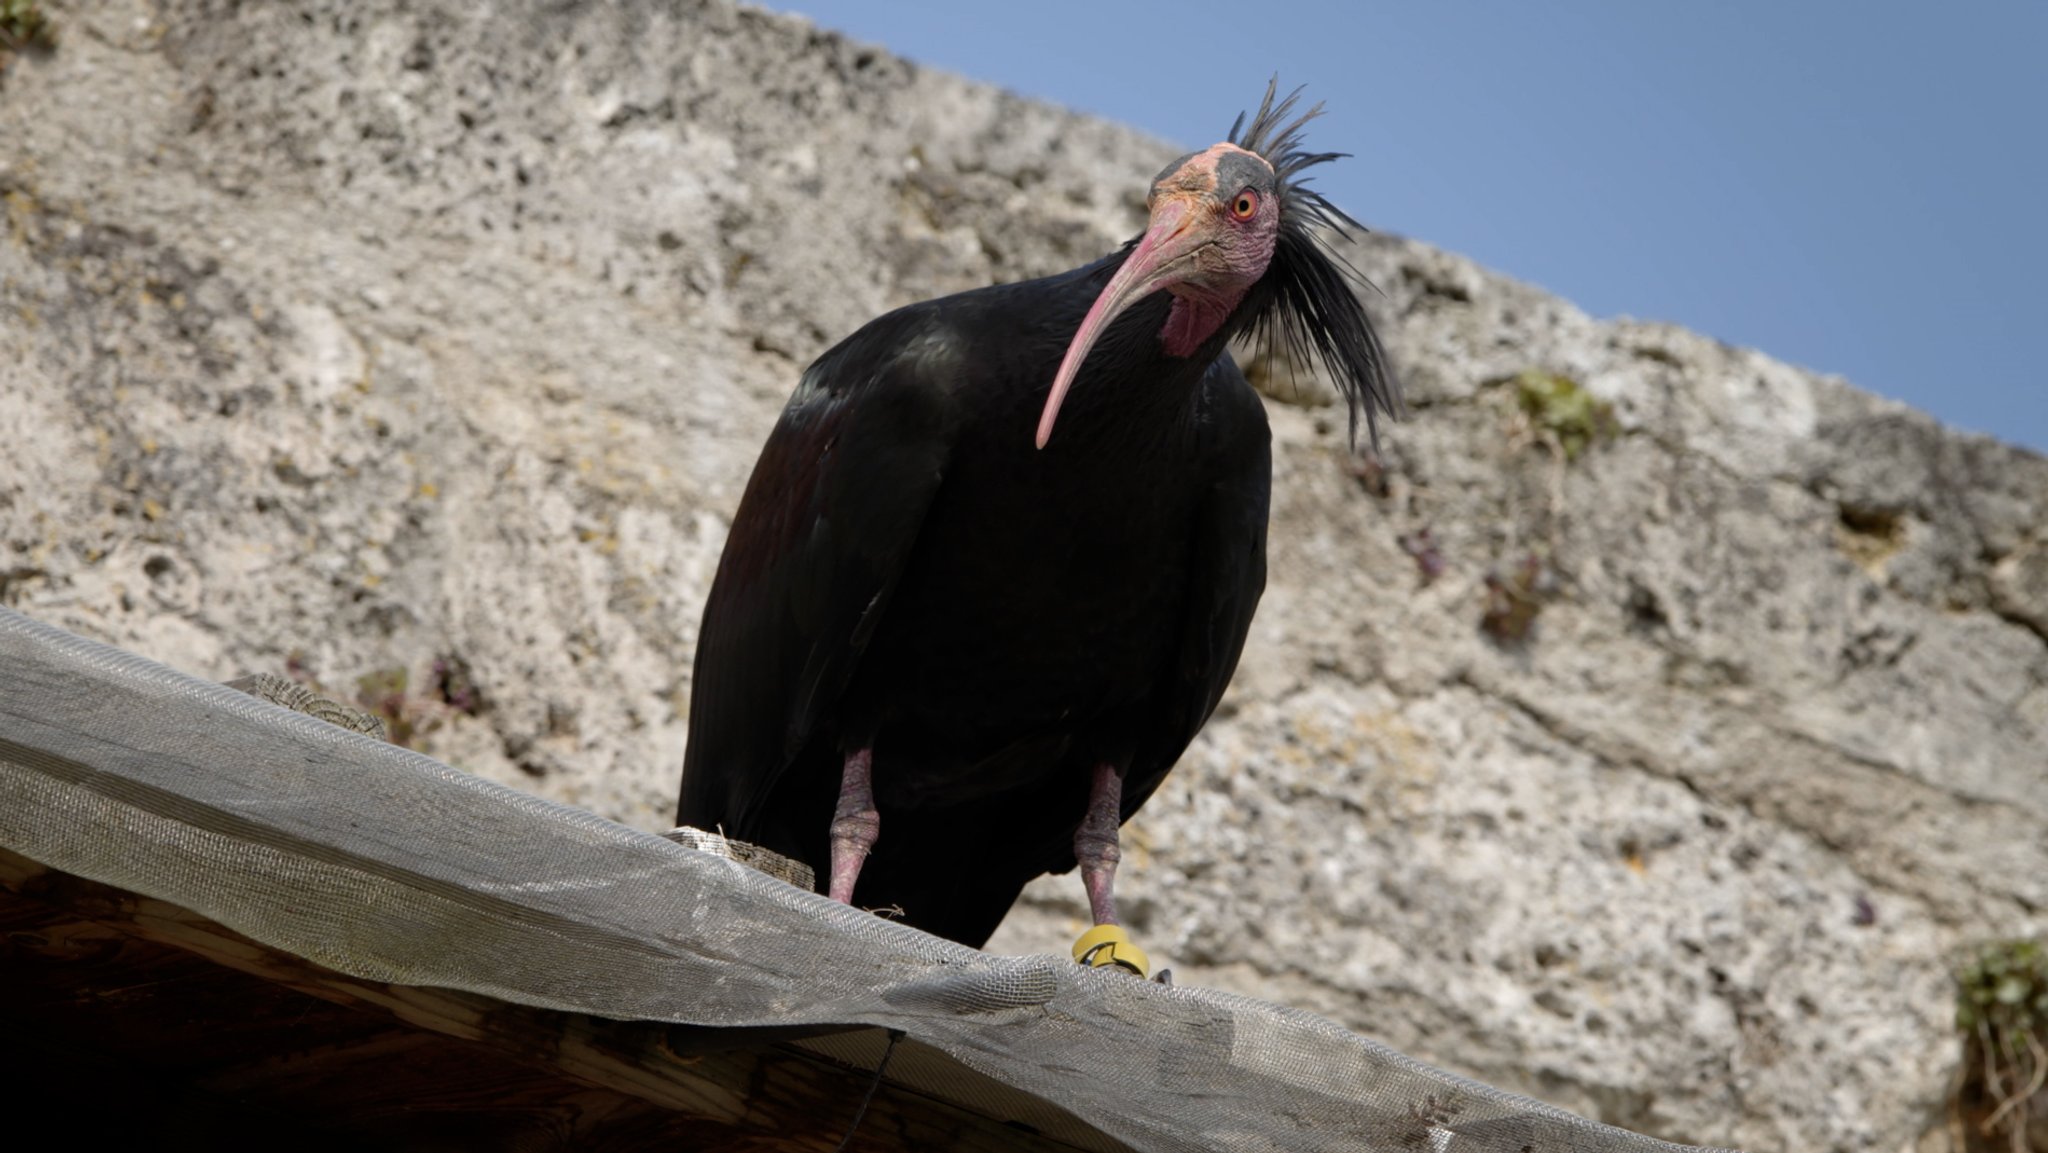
pixel 367 339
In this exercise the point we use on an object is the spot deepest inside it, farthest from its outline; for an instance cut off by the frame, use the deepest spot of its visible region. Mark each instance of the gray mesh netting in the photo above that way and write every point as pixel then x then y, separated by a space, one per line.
pixel 390 866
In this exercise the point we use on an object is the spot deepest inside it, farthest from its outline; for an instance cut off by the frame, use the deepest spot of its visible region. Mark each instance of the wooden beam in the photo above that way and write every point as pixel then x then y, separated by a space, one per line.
pixel 165 989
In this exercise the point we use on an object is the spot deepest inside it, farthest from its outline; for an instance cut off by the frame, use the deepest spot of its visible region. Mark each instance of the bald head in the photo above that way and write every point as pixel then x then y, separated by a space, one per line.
pixel 1215 215
pixel 1219 168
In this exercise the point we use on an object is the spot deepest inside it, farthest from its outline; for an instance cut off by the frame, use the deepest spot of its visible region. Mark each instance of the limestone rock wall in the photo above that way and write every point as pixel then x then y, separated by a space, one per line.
pixel 422 352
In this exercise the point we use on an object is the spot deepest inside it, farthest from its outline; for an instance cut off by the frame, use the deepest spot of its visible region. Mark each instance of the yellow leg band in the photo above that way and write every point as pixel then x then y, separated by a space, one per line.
pixel 1106 945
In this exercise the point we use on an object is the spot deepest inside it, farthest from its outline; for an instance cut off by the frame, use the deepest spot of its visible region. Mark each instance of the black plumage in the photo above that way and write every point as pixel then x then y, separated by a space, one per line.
pixel 1000 623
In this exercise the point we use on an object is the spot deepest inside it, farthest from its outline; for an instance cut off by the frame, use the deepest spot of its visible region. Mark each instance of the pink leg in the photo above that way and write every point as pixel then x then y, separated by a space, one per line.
pixel 1095 843
pixel 855 824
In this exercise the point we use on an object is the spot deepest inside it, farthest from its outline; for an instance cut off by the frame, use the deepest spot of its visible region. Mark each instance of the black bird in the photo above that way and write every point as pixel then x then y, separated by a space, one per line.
pixel 945 651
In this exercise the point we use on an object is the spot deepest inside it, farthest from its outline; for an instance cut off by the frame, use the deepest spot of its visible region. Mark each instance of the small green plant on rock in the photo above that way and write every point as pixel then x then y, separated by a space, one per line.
pixel 1559 406
pixel 2002 1013
pixel 1514 596
pixel 382 693
pixel 23 26
pixel 410 713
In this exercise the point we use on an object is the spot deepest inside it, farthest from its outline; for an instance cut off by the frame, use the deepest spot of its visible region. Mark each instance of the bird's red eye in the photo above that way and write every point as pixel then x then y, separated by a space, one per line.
pixel 1245 205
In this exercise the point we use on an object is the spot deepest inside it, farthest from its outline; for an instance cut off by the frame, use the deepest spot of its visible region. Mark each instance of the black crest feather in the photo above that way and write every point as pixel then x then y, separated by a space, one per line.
pixel 1316 311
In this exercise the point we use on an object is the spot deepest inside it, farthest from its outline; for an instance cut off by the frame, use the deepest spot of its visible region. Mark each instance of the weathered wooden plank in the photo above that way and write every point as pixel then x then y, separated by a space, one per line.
pixel 164 990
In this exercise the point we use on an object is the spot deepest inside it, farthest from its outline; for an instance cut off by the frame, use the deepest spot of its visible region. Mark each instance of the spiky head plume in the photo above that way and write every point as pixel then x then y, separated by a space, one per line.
pixel 1315 310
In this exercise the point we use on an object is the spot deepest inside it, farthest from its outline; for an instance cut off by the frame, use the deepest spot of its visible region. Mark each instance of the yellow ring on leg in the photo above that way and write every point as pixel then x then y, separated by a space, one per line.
pixel 1106 945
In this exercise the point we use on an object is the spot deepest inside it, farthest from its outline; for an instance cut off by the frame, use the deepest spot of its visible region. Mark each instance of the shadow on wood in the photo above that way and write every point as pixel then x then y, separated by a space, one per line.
pixel 166 1027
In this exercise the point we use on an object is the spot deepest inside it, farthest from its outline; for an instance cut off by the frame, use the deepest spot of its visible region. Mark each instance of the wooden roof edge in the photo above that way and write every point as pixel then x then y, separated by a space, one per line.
pixel 722 1087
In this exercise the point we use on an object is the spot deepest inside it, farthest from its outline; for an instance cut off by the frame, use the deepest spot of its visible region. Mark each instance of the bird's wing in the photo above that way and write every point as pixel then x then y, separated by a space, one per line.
pixel 1227 573
pixel 823 529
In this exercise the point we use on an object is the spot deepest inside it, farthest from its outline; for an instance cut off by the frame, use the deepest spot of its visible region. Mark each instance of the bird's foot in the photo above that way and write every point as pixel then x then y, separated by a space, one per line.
pixel 1105 946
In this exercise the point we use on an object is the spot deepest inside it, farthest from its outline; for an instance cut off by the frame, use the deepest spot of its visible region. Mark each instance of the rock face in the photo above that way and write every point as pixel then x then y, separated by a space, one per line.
pixel 1643 731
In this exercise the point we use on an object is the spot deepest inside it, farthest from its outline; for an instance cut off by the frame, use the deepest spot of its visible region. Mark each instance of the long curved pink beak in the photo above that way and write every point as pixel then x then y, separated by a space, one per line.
pixel 1157 262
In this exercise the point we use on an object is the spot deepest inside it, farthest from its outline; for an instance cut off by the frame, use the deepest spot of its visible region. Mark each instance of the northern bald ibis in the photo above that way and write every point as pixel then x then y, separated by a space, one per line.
pixel 947 650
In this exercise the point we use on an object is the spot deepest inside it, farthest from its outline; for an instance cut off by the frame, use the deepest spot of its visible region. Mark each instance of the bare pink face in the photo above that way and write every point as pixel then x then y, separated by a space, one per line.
pixel 1229 215
pixel 1215 216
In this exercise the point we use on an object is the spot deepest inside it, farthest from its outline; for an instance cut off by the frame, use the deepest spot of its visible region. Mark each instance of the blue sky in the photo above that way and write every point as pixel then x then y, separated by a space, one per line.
pixel 1858 188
